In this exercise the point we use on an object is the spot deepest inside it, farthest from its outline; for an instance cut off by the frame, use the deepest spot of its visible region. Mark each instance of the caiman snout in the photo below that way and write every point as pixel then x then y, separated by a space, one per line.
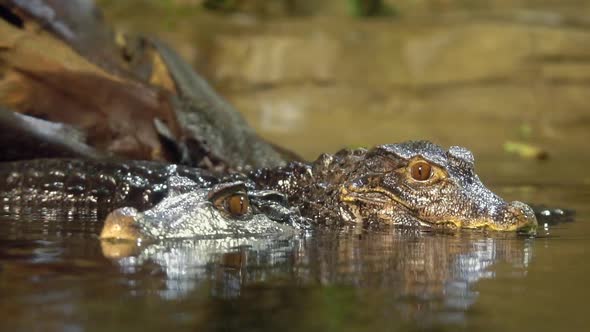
pixel 513 216
pixel 507 217
pixel 522 217
pixel 121 225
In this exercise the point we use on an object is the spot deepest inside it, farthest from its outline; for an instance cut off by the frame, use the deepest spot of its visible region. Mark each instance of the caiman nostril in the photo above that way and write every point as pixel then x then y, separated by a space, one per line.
pixel 526 222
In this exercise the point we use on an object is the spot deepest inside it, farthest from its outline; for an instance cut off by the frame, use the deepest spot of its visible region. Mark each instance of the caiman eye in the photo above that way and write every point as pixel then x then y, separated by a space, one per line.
pixel 230 198
pixel 238 205
pixel 421 171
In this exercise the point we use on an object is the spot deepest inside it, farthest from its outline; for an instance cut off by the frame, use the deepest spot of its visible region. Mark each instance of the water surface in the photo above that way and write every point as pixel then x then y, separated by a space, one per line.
pixel 58 276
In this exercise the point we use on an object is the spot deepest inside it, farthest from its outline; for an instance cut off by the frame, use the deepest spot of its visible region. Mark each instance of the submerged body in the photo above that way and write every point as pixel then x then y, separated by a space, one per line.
pixel 414 184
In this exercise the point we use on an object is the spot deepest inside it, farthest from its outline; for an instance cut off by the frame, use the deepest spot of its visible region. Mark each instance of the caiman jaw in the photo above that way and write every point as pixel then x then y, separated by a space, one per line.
pixel 376 202
pixel 516 216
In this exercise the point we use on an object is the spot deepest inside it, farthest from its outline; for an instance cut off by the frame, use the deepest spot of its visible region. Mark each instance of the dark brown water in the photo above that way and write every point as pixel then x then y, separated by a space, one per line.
pixel 61 277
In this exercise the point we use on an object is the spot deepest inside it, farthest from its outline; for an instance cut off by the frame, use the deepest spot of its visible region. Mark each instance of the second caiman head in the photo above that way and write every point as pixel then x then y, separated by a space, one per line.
pixel 189 210
pixel 415 183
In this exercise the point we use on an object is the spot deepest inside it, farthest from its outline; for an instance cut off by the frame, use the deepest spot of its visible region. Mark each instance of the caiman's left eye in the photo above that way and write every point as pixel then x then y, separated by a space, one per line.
pixel 421 171
pixel 238 205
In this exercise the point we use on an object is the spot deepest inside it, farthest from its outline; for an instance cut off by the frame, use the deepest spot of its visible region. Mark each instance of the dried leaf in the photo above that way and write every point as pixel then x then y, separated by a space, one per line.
pixel 43 77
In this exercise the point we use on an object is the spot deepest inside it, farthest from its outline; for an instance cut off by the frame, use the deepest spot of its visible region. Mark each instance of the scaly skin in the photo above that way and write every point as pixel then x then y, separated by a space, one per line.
pixel 351 187
pixel 376 186
pixel 150 200
pixel 65 183
pixel 190 211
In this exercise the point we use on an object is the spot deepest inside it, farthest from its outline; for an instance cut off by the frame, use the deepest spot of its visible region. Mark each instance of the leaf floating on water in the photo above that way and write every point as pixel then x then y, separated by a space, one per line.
pixel 525 150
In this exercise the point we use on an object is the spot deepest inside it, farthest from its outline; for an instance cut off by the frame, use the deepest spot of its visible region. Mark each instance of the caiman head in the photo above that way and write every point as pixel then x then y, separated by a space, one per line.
pixel 190 211
pixel 419 183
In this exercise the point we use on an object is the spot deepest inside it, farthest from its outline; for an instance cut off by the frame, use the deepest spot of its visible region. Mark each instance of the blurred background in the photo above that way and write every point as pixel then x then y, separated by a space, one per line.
pixel 316 76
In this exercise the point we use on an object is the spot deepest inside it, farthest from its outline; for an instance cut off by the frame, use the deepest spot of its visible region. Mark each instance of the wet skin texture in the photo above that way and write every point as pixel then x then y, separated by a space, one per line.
pixel 150 200
pixel 226 209
pixel 414 184
pixel 77 183
pixel 378 186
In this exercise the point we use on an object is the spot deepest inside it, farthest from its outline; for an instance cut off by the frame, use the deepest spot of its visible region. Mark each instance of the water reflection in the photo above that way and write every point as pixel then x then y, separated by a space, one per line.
pixel 426 276
pixel 381 276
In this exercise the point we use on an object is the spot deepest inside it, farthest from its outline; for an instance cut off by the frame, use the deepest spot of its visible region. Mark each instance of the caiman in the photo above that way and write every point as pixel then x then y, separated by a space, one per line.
pixel 411 184
pixel 175 201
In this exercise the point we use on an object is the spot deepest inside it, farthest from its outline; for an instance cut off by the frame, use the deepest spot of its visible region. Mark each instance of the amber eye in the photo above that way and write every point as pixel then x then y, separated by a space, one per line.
pixel 421 171
pixel 238 205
